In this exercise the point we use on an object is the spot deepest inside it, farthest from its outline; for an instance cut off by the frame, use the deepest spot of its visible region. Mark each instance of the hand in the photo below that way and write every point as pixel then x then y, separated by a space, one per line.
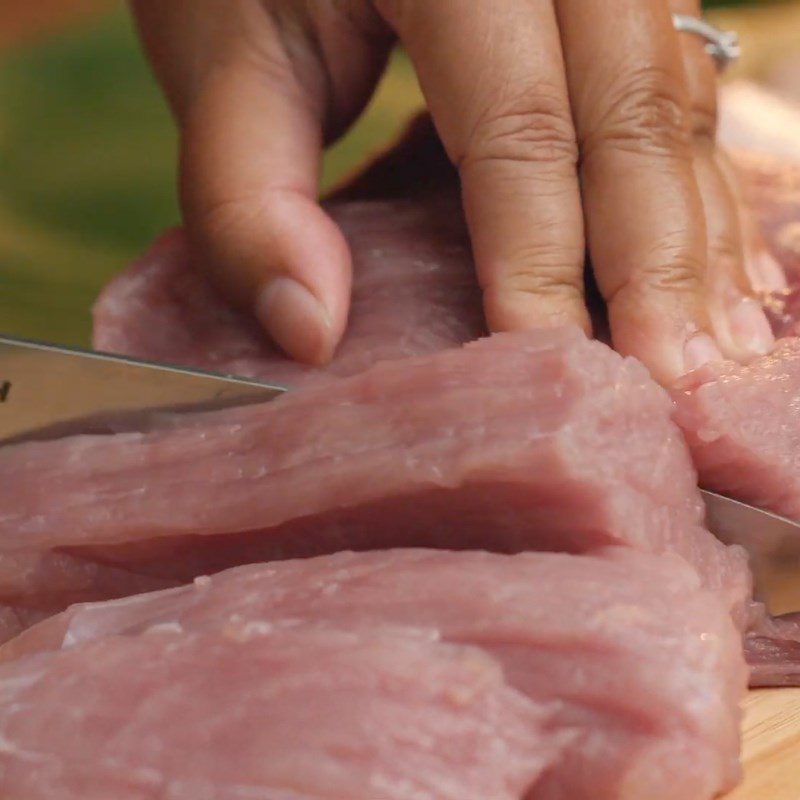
pixel 571 122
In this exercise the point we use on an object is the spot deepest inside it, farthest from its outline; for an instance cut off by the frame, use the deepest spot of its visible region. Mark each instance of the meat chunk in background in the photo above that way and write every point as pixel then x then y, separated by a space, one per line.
pixel 510 443
pixel 754 119
pixel 628 672
pixel 414 293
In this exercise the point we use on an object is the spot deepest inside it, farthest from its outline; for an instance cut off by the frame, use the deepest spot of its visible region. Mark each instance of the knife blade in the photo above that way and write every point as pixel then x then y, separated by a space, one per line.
pixel 772 541
pixel 48 391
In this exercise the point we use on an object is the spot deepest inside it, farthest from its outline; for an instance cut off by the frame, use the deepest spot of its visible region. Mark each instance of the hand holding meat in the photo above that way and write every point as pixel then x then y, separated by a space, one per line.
pixel 574 124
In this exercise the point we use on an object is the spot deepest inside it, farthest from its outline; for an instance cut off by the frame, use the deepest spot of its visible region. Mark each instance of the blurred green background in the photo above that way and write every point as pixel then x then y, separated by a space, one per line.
pixel 87 162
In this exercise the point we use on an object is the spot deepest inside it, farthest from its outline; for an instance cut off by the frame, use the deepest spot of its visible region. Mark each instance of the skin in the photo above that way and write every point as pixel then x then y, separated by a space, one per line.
pixel 571 123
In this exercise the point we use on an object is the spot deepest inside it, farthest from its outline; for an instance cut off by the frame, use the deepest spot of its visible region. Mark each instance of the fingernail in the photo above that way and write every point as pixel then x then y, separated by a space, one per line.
pixel 750 327
pixel 700 349
pixel 766 273
pixel 297 322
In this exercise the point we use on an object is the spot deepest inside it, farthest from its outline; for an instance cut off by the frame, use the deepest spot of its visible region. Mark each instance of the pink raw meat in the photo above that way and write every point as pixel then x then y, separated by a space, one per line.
pixel 743 427
pixel 757 120
pixel 510 443
pixel 282 712
pixel 414 293
pixel 636 671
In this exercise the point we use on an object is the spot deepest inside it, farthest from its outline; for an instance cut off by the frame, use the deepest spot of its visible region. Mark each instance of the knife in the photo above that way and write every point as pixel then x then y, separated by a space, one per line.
pixel 48 391
pixel 772 542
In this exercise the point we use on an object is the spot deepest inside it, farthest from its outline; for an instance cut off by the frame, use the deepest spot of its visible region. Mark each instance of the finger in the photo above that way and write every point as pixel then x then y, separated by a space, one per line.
pixel 645 223
pixel 764 272
pixel 493 77
pixel 740 325
pixel 251 117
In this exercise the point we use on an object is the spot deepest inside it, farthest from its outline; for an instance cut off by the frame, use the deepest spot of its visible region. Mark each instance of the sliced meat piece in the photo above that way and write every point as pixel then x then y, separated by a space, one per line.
pixel 280 713
pixel 414 293
pixel 510 443
pixel 743 427
pixel 639 668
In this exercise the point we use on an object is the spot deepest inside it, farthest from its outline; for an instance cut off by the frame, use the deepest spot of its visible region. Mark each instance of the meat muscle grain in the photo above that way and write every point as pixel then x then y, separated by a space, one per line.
pixel 623 678
pixel 510 443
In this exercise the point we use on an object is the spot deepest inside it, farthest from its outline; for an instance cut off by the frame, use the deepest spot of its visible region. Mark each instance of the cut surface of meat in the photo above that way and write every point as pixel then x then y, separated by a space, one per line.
pixel 510 443
pixel 272 712
pixel 743 427
pixel 634 670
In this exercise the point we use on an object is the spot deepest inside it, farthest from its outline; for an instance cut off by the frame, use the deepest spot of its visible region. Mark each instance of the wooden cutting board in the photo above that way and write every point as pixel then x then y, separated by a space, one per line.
pixel 771 748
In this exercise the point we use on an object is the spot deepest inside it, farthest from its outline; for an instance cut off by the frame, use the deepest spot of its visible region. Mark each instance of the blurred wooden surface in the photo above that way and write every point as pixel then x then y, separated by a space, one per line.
pixel 771 746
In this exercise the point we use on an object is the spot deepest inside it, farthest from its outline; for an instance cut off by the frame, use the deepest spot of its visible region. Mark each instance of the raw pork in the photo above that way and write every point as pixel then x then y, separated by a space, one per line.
pixel 633 672
pixel 414 293
pixel 743 427
pixel 280 712
pixel 509 443
pixel 756 120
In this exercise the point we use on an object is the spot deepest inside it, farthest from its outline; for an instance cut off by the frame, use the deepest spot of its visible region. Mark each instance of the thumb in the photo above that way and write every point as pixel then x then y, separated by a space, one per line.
pixel 251 119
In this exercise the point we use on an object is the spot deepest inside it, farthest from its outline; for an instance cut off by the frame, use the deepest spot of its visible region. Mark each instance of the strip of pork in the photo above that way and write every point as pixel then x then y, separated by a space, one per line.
pixel 629 676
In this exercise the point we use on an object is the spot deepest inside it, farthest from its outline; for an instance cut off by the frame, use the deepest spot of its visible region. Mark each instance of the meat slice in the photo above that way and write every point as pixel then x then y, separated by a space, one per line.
pixel 743 427
pixel 634 670
pixel 510 443
pixel 276 712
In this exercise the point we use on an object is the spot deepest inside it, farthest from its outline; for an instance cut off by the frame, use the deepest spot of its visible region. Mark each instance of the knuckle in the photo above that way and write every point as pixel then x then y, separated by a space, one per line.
pixel 680 275
pixel 726 252
pixel 704 123
pixel 534 126
pixel 726 260
pixel 542 271
pixel 644 114
pixel 221 219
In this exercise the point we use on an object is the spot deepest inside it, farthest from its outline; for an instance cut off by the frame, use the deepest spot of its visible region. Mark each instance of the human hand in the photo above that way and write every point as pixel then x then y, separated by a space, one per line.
pixel 570 123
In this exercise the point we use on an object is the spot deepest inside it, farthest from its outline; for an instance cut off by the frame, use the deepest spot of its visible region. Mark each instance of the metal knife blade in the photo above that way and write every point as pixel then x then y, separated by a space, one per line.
pixel 48 391
pixel 772 541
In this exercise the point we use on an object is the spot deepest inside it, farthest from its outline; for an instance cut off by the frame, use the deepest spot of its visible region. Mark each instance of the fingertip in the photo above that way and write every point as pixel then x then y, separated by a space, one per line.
pixel 699 349
pixel 283 259
pixel 304 294
pixel 296 321
pixel 668 331
pixel 750 328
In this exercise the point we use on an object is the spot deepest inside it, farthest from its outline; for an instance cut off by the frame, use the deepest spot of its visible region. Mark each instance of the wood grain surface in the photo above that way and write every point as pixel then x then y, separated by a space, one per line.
pixel 771 746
